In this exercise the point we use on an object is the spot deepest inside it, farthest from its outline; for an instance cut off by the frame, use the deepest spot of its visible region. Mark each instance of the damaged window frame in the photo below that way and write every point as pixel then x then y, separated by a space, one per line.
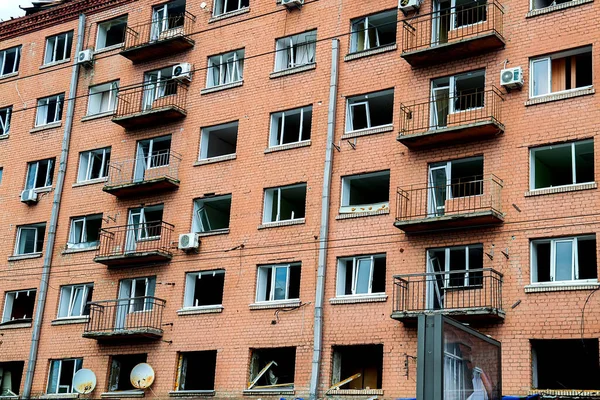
pixel 54 55
pixel 183 370
pixel 8 69
pixel 5 117
pixel 43 104
pixel 70 296
pixel 358 263
pixel 11 373
pixel 229 66
pixel 9 301
pixel 55 375
pixel 33 168
pixel 347 208
pixel 38 239
pixel 295 50
pixel 269 202
pixel 103 31
pixel 266 279
pixel 544 63
pixel 158 83
pixel 201 221
pixel 277 135
pixel 102 99
pixel 359 26
pixel 167 17
pixel 191 298
pixel 115 368
pixel 207 136
pixel 87 161
pixel 353 102
pixel 220 6
pixel 532 5
pixel 337 380
pixel 79 234
pixel 255 375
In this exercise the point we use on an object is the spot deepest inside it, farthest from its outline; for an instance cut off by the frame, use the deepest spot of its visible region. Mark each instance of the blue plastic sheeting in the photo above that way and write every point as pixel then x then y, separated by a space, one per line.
pixel 532 397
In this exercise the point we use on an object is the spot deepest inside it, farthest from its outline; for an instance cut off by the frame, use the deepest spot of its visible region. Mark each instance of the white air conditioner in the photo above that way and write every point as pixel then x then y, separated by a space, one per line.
pixel 29 196
pixel 85 57
pixel 182 72
pixel 292 3
pixel 188 241
pixel 409 5
pixel 512 78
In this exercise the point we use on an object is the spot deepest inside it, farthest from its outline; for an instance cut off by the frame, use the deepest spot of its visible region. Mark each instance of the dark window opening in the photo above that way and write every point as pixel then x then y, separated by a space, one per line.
pixel 357 278
pixel 18 306
pixel 219 140
pixel 366 189
pixel 537 4
pixel 120 371
pixel 281 363
pixel 204 288
pixel 363 363
pixel 373 31
pixel 291 126
pixel 197 370
pixel 278 282
pixel 212 214
pixel 469 12
pixel 10 377
pixel 574 258
pixel 553 165
pixel 370 110
pixel 285 203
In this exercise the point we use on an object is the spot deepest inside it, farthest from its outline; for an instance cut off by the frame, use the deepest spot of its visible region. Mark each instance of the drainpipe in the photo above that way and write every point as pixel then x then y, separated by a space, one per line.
pixel 41 301
pixel 324 230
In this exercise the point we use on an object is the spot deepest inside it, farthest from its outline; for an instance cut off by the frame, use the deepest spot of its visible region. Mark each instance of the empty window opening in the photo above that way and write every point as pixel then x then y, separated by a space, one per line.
pixel 74 300
pixel 285 203
pixel 120 371
pixel 370 110
pixel 152 158
pixel 537 4
pixel 361 275
pixel 18 306
pixel 58 47
pixel 103 98
pixel 204 288
pixel 168 20
pixel 357 367
pixel 9 60
pixel 278 282
pixel 562 164
pixel 373 31
pixel 111 33
pixel 295 51
pixel 565 364
pixel 5 115
pixel 158 84
pixel 561 71
pixel 39 174
pixel 225 6
pixel 49 110
pixel 85 231
pixel 272 368
pixel 93 164
pixel 61 375
pixel 225 68
pixel 365 192
pixel 453 94
pixel 30 239
pixel 212 214
pixel 219 140
pixel 139 292
pixel 196 370
pixel 10 377
pixel 563 259
pixel 290 126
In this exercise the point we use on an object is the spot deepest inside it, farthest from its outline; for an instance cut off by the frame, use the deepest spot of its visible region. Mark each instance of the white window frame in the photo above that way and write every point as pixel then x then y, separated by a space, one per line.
pixel 268 203
pixel 262 275
pixel 446 266
pixel 205 139
pixel 112 98
pixel 86 164
pixel 364 21
pixel 16 63
pixel 363 100
pixel 276 135
pixel 343 272
pixel 9 298
pixel 287 48
pixel 224 4
pixel 345 207
pixel 190 288
pixel 55 51
pixel 102 27
pixel 229 64
pixel 5 116
pixel 42 110
pixel 67 295
pixel 197 220
pixel 452 93
pixel 22 228
pixel 532 8
pixel 148 292
pixel 58 387
pixel 49 174
pixel 83 242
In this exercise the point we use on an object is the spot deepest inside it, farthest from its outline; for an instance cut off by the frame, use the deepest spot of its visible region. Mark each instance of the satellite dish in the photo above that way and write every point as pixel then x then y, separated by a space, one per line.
pixel 142 376
pixel 84 381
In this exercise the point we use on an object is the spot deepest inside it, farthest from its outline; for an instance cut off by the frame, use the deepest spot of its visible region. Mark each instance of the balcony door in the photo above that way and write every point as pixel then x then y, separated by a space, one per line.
pixel 157 84
pixel 144 224
pixel 133 295
pixel 451 15
pixel 438 193
pixel 167 16
pixel 152 156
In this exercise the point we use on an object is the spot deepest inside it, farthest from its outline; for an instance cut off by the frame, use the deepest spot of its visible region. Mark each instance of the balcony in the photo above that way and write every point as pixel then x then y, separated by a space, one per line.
pixel 151 104
pixel 453 33
pixel 467 295
pixel 448 120
pixel 159 38
pixel 143 175
pixel 456 205
pixel 135 244
pixel 129 318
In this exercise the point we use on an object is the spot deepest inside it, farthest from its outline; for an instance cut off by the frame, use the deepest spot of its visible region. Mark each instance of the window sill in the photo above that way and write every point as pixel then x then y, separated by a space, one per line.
pixel 293 70
pixel 97 116
pixel 90 182
pixel 70 321
pixel 55 63
pixel 558 7
pixel 125 394
pixel 213 233
pixel 355 392
pixel 370 52
pixel 266 305
pixel 9 397
pixel 562 189
pixel 288 146
pixel 2 137
pixel 12 74
pixel 213 160
pixel 266 392
pixel 46 189
pixel 109 48
pixel 360 214
pixel 47 126
pixel 221 87
pixel 267 225
pixel 229 14
pixel 19 257
pixel 560 96
pixel 560 287
pixel 81 250
pixel 192 393
pixel 370 298
pixel 16 325
pixel 59 396
pixel 367 132
pixel 201 310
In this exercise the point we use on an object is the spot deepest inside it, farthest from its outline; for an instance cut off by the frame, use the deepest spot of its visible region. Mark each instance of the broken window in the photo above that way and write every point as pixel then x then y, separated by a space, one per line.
pixel 120 371
pixel 168 20
pixel 454 94
pixel 74 300
pixel 144 223
pixel 272 368
pixel 61 375
pixel 39 174
pixel 562 164
pixel 218 140
pixel 151 155
pixel 225 68
pixel 204 288
pixel 18 306
pixel 85 231
pixel 211 214
pixel 563 259
pixel 9 60
pixel 292 126
pixel 370 110
pixel 559 72
pixel 454 267
pixel 565 364
pixel 538 4
pixel 225 6
pixel 93 164
pixel 103 98
pixel 111 33
pixel 295 51
pixel 285 203
pixel 361 275
pixel 5 114
pixel 49 110
pixel 136 295
pixel 454 14
pixel 58 47
pixel 373 31
pixel 365 192
pixel 357 367
pixel 278 282
pixel 196 370
pixel 10 377
pixel 30 239
pixel 158 84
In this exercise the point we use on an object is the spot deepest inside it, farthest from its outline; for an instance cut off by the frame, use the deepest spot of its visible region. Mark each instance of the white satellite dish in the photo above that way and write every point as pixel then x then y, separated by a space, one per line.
pixel 142 376
pixel 84 381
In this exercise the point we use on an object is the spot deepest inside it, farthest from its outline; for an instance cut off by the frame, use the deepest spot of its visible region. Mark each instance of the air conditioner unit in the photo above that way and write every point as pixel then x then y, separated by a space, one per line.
pixel 188 241
pixel 182 72
pixel 292 3
pixel 512 78
pixel 409 5
pixel 85 57
pixel 29 196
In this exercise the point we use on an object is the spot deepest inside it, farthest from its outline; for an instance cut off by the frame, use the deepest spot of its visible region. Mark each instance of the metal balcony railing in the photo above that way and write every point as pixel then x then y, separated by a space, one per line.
pixel 151 97
pixel 452 25
pixel 140 238
pixel 159 30
pixel 111 317
pixel 448 290
pixel 462 197
pixel 444 111
pixel 164 164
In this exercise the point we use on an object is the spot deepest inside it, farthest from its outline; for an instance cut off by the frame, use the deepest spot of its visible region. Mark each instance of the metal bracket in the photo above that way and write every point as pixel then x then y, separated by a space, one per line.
pixel 353 145
pixel 338 148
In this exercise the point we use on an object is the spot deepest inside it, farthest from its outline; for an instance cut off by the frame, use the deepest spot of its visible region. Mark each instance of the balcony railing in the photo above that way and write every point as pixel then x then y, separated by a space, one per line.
pixel 137 317
pixel 453 33
pixel 159 37
pixel 140 243
pixel 151 104
pixel 465 294
pixel 147 174
pixel 451 119
pixel 458 204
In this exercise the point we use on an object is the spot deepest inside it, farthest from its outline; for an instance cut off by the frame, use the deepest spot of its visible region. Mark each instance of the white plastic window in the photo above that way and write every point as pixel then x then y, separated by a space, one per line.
pixel 74 299
pixel 295 51
pixel 49 110
pixel 9 60
pixel 225 68
pixel 93 164
pixel 58 47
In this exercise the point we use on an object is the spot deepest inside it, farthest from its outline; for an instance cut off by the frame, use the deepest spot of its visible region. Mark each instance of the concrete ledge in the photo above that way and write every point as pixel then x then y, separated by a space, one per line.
pixel 557 7
pixel 70 321
pixel 367 132
pixel 59 396
pixel 355 392
pixel 201 310
pixel 553 287
pixel 370 298
pixel 82 250
pixel 266 392
pixel 109 48
pixel 213 160
pixel 24 256
pixel 2 137
pixel 47 126
pixel 90 182
pixel 565 393
pixel 230 14
pixel 192 393
pixel 55 63
pixel 16 325
pixel 97 116
pixel 370 52
pixel 292 71
pixel 288 146
pixel 560 96
pixel 221 87
pixel 362 214
pixel 125 394
pixel 562 189
pixel 265 305
pixel 12 74
pixel 266 225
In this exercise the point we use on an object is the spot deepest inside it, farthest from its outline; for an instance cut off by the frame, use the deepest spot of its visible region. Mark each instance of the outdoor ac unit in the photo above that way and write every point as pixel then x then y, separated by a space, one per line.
pixel 29 196
pixel 512 78
pixel 85 57
pixel 292 3
pixel 188 241
pixel 409 5
pixel 182 72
